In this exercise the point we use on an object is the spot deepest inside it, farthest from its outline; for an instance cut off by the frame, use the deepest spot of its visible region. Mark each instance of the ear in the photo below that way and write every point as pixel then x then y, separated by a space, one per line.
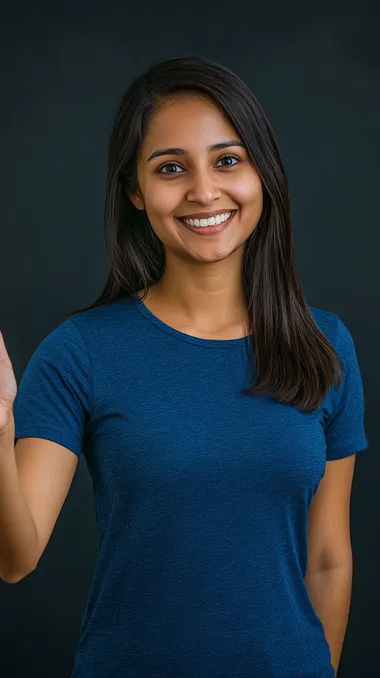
pixel 138 201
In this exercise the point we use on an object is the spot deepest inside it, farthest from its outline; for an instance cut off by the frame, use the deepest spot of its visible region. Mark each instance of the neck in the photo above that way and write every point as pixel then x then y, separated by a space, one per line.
pixel 206 308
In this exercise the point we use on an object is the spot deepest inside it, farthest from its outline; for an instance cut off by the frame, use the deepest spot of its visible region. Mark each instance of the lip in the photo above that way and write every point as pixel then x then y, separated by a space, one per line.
pixel 209 230
pixel 206 215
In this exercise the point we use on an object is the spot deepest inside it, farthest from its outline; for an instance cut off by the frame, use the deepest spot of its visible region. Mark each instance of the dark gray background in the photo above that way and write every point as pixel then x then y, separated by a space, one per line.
pixel 64 66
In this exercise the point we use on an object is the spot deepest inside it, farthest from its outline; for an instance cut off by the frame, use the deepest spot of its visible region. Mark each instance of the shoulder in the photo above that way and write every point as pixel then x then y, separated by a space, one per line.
pixel 336 331
pixel 82 326
pixel 328 322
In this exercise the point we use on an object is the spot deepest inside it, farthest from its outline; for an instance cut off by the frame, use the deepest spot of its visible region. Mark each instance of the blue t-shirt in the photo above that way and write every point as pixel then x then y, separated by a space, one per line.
pixel 201 494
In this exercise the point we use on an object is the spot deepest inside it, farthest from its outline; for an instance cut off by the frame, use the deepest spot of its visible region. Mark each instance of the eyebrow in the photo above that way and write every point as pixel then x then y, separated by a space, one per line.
pixel 181 151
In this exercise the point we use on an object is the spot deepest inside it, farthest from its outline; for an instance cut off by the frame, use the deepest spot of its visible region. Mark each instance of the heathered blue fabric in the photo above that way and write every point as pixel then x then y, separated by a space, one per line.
pixel 201 494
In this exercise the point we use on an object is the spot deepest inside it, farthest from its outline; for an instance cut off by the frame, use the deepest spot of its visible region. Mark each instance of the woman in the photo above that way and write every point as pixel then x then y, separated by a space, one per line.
pixel 206 395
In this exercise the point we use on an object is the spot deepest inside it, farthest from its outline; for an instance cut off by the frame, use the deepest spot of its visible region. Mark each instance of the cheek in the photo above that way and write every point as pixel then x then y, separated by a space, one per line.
pixel 163 199
pixel 248 191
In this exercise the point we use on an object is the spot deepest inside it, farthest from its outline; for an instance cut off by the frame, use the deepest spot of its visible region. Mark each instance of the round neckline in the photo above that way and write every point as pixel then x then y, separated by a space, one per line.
pixel 200 341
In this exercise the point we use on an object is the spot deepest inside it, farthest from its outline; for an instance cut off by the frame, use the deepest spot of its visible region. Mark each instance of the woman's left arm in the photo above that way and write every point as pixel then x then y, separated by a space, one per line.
pixel 330 594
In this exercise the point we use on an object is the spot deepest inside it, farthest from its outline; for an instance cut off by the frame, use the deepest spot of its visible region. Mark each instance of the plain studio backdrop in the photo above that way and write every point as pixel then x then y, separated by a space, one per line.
pixel 63 68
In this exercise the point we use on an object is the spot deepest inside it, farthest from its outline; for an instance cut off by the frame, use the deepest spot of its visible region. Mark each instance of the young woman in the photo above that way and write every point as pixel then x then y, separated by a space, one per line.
pixel 211 403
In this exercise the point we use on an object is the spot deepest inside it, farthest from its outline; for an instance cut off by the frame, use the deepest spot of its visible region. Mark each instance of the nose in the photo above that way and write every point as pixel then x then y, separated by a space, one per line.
pixel 203 189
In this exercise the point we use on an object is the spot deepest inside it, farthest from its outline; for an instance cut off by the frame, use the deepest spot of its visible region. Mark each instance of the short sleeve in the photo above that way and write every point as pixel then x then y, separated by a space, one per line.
pixel 54 397
pixel 345 428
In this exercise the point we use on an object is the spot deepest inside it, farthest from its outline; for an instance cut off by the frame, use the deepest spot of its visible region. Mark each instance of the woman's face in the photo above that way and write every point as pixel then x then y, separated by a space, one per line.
pixel 196 179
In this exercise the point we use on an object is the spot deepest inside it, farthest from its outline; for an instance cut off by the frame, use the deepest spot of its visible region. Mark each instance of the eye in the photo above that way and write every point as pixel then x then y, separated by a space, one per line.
pixel 174 164
pixel 229 156
pixel 168 164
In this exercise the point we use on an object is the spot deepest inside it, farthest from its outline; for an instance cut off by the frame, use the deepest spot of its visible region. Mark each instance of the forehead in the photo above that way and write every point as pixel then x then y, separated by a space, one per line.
pixel 186 121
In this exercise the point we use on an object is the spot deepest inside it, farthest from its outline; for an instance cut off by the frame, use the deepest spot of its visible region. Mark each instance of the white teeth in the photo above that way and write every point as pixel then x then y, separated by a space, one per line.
pixel 208 222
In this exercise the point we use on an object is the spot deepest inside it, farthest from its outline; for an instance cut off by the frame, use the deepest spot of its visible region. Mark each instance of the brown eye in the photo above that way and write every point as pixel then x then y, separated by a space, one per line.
pixel 168 164
pixel 229 156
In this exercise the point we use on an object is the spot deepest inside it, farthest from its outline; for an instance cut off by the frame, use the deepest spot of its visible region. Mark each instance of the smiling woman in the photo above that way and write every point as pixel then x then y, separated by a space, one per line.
pixel 190 139
pixel 210 397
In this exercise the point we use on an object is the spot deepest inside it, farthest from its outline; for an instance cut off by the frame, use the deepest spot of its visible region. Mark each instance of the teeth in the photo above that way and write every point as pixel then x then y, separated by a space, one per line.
pixel 202 223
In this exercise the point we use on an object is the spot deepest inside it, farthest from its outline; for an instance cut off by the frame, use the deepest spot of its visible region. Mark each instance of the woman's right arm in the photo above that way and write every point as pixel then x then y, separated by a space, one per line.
pixel 18 532
pixel 35 477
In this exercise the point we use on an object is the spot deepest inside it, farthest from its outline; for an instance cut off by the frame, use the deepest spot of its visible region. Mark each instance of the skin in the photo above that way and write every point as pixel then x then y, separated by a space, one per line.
pixel 201 290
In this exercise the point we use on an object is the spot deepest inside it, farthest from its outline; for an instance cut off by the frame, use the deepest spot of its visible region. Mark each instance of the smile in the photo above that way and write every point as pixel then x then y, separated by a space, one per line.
pixel 209 230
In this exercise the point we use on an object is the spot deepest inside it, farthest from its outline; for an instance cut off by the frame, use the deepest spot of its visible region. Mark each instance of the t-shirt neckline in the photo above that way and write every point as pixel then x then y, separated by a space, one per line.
pixel 209 343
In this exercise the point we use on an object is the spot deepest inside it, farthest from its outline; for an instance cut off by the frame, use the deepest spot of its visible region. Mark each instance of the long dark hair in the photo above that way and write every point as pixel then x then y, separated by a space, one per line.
pixel 294 361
